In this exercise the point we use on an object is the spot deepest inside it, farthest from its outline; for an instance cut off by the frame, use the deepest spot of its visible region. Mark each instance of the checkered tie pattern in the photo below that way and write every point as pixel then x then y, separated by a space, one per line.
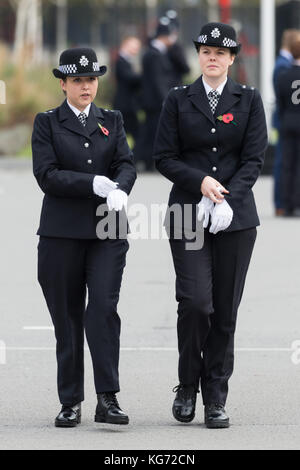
pixel 213 98
pixel 82 117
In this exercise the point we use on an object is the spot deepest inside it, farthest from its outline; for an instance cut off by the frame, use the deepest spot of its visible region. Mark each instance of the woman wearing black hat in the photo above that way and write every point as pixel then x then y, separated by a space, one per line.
pixel 81 161
pixel 210 143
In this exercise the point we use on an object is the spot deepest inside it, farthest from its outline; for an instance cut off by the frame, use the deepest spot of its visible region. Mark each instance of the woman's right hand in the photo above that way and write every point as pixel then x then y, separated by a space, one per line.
pixel 212 189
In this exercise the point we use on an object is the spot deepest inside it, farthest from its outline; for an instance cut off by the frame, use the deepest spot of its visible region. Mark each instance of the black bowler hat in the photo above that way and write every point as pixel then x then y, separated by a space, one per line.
pixel 164 27
pixel 79 62
pixel 218 35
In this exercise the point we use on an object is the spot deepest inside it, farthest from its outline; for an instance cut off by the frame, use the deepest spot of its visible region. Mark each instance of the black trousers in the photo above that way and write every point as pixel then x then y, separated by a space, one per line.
pixel 143 150
pixel 290 172
pixel 209 287
pixel 131 123
pixel 67 269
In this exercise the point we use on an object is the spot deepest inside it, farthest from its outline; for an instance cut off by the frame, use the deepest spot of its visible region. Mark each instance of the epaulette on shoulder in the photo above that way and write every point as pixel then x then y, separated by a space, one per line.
pixel 183 87
pixel 109 110
pixel 49 111
pixel 246 87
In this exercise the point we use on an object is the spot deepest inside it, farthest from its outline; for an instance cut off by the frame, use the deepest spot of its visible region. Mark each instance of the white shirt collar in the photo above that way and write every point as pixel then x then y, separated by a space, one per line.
pixel 286 54
pixel 77 111
pixel 125 56
pixel 159 45
pixel 208 88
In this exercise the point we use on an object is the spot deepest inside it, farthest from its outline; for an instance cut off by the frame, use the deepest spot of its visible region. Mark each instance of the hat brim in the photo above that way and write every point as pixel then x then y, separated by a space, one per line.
pixel 234 50
pixel 58 74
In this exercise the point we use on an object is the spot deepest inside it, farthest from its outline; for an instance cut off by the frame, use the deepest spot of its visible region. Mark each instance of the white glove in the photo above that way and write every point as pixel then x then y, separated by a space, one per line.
pixel 205 209
pixel 221 217
pixel 103 185
pixel 116 200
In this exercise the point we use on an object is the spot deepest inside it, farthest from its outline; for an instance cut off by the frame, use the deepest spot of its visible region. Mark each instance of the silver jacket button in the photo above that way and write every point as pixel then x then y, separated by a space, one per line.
pixel 214 149
pixel 214 168
pixel 89 162
pixel 213 130
pixel 86 145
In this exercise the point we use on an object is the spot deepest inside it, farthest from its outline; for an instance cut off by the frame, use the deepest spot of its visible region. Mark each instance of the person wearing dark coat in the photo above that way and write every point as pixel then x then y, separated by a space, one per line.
pixel 176 52
pixel 289 108
pixel 128 85
pixel 283 62
pixel 156 83
pixel 83 165
pixel 210 144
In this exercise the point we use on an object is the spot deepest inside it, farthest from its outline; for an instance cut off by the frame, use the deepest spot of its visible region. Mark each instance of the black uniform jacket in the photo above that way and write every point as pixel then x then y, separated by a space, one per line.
pixel 157 79
pixel 180 66
pixel 288 100
pixel 128 84
pixel 67 157
pixel 191 144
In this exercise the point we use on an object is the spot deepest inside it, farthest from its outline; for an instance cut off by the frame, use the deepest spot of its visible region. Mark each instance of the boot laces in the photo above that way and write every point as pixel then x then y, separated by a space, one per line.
pixel 185 390
pixel 111 399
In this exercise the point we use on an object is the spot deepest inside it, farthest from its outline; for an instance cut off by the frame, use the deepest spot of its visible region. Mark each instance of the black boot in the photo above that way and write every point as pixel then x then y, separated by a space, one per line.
pixel 184 403
pixel 108 410
pixel 216 417
pixel 69 417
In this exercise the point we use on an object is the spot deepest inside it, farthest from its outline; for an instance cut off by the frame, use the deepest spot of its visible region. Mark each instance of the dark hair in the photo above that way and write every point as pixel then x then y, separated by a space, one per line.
pixel 217 47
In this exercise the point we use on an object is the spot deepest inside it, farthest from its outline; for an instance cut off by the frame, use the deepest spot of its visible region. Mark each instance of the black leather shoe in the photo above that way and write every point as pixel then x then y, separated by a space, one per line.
pixel 108 410
pixel 185 403
pixel 216 417
pixel 69 417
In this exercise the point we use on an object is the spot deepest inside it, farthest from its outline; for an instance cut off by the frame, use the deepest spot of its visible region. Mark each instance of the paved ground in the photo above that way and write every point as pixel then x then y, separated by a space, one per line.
pixel 264 393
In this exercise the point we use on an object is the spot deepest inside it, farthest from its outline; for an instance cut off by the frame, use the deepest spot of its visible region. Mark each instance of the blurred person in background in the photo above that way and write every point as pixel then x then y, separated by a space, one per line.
pixel 156 83
pixel 176 52
pixel 288 89
pixel 81 161
pixel 128 85
pixel 210 144
pixel 283 62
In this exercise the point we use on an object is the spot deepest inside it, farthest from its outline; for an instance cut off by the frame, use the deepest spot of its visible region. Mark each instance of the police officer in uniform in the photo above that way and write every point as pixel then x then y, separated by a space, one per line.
pixel 210 143
pixel 176 52
pixel 81 161
pixel 156 83
pixel 128 85
pixel 289 107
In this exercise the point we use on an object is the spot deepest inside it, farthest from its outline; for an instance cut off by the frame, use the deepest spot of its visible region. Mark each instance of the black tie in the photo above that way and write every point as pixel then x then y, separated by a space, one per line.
pixel 213 98
pixel 82 118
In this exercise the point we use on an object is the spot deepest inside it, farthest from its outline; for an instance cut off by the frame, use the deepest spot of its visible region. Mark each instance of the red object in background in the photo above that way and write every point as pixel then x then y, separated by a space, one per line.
pixel 225 11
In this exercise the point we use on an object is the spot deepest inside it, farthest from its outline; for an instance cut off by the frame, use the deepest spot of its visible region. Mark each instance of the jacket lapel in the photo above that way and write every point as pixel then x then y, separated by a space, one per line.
pixel 69 120
pixel 95 116
pixel 198 97
pixel 230 96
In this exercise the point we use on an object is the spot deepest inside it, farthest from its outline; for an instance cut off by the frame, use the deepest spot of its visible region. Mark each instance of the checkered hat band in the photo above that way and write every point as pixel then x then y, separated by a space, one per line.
pixel 70 68
pixel 229 42
pixel 202 38
pixel 96 66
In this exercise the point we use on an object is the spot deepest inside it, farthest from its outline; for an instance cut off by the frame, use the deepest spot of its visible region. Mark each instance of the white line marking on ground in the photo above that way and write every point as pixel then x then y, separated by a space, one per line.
pixel 36 328
pixel 153 349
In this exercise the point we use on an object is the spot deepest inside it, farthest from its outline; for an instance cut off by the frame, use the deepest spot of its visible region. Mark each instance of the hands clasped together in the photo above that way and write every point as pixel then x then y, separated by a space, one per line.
pixel 116 198
pixel 214 205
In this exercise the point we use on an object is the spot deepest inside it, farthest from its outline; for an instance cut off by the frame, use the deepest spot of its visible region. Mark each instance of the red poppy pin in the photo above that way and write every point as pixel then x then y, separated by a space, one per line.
pixel 104 131
pixel 227 118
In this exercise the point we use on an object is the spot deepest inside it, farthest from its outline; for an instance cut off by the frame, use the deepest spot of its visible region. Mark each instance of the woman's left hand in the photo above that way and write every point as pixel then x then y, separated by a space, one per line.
pixel 116 200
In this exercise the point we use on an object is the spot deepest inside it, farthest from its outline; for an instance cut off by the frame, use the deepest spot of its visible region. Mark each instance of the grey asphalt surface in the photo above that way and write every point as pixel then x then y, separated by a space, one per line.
pixel 263 403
